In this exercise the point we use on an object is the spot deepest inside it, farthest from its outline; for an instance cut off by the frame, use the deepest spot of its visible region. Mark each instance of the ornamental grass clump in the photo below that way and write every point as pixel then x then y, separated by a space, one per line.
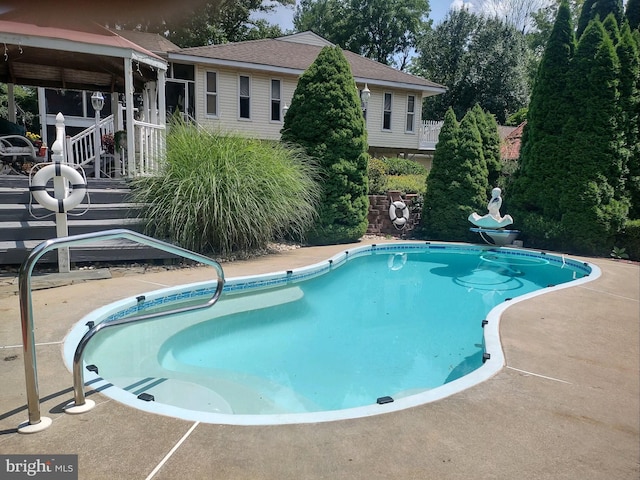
pixel 222 193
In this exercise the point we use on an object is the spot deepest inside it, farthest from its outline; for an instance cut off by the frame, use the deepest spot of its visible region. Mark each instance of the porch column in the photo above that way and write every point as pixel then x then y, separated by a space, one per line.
pixel 117 126
pixel 42 111
pixel 11 103
pixel 128 94
pixel 162 103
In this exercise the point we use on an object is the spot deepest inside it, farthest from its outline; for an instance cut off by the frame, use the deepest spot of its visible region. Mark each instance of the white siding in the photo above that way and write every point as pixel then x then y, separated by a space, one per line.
pixel 260 124
pixel 396 137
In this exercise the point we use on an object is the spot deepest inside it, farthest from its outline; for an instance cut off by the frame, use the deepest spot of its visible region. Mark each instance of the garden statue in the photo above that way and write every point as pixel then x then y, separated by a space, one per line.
pixel 493 218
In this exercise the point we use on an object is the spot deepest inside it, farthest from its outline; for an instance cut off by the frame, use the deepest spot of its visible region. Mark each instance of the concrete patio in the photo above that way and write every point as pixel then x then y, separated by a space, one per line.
pixel 566 405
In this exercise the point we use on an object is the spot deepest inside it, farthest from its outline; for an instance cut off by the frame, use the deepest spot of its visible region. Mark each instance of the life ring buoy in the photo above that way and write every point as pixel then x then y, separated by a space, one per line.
pixel 39 182
pixel 399 220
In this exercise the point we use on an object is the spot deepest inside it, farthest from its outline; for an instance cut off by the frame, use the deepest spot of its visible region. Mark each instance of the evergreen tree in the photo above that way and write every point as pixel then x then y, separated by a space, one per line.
pixel 632 13
pixel 488 128
pixel 600 9
pixel 629 57
pixel 438 209
pixel 610 24
pixel 325 118
pixel 457 183
pixel 533 195
pixel 593 194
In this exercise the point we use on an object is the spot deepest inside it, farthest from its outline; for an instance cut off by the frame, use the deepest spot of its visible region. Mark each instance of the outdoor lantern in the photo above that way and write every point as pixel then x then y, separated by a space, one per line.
pixel 97 101
pixel 365 96
pixel 285 109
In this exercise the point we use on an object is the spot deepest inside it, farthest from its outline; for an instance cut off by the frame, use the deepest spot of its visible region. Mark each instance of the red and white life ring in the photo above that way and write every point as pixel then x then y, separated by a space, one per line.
pixel 401 219
pixel 39 182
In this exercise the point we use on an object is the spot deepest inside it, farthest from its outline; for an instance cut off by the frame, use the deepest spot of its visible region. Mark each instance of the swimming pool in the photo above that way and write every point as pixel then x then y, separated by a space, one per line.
pixel 373 329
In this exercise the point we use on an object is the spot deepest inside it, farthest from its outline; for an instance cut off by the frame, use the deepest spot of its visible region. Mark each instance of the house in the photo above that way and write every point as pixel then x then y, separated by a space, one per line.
pixel 511 142
pixel 246 87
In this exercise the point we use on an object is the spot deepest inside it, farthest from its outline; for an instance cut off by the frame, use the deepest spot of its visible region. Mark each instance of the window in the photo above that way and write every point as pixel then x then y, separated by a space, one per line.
pixel 245 97
pixel 411 112
pixel 386 113
pixel 212 94
pixel 275 100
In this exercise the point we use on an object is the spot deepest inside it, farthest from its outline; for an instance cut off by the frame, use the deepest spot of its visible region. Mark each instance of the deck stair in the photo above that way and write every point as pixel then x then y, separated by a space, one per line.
pixel 109 207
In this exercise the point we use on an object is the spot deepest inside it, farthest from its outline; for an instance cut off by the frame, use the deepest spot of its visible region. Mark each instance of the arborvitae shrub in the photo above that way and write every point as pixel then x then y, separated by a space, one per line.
pixel 326 119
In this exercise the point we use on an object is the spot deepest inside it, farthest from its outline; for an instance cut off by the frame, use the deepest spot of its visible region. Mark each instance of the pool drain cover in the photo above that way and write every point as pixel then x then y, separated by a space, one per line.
pixel 147 397
pixel 383 400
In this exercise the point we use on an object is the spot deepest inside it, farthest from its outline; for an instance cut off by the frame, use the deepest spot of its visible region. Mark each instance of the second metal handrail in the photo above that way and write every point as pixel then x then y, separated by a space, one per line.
pixel 26 312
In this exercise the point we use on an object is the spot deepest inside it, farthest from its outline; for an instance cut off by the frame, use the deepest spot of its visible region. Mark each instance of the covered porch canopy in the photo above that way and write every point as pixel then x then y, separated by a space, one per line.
pixel 87 56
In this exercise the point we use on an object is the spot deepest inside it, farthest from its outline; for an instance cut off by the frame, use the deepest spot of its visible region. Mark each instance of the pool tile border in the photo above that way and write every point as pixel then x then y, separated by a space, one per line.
pixel 242 284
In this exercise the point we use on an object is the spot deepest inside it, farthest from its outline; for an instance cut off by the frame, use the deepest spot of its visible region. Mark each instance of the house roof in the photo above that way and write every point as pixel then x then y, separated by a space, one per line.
pixel 510 148
pixel 294 55
pixel 86 57
pixel 152 42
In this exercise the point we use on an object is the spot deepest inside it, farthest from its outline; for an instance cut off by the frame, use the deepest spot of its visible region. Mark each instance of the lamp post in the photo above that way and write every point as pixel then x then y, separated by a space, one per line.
pixel 285 109
pixel 365 95
pixel 97 101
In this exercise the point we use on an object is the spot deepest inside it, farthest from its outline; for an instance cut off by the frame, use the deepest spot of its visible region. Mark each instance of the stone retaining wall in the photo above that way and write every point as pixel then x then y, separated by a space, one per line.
pixel 380 220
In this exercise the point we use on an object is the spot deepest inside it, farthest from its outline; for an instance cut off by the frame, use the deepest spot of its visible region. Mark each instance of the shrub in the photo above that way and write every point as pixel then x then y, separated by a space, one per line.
pixel 400 174
pixel 325 118
pixel 403 166
pixel 629 239
pixel 376 171
pixel 224 193
pixel 517 118
pixel 406 184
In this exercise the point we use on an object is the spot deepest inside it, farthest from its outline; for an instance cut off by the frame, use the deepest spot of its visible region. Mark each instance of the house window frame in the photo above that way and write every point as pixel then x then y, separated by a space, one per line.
pixel 387 113
pixel 208 94
pixel 411 114
pixel 272 101
pixel 240 98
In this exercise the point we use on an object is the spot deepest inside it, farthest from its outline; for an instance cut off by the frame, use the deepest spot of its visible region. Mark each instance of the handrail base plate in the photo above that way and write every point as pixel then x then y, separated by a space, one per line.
pixel 44 423
pixel 74 409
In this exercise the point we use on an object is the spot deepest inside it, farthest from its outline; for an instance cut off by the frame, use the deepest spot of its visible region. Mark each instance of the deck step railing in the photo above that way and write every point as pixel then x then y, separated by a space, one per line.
pixel 150 149
pixel 81 149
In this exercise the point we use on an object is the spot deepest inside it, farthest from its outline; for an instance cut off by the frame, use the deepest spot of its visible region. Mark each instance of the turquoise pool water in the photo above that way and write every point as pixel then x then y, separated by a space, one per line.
pixel 389 321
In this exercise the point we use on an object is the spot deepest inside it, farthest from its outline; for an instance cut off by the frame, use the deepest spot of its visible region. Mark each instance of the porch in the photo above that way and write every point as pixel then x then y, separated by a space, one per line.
pixel 89 58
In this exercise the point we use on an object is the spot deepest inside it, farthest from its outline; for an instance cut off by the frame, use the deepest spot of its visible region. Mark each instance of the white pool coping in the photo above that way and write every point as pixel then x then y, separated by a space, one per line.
pixel 491 366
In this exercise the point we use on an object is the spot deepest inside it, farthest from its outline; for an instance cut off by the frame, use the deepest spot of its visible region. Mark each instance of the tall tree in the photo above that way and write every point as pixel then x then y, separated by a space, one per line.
pixel 517 13
pixel 440 211
pixel 488 128
pixel 543 21
pixel 479 60
pixel 325 118
pixel 459 183
pixel 383 30
pixel 593 197
pixel 598 8
pixel 633 13
pixel 214 22
pixel 533 196
pixel 629 56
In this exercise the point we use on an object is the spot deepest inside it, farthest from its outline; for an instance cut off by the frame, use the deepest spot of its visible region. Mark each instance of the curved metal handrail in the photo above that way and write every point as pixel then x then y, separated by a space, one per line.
pixel 26 307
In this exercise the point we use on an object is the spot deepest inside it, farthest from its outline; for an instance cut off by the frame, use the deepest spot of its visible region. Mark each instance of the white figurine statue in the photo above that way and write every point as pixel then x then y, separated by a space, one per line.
pixel 493 218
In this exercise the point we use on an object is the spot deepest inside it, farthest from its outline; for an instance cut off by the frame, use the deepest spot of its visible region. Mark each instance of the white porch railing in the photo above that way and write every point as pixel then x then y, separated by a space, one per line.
pixel 429 133
pixel 81 149
pixel 149 146
pixel 150 149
